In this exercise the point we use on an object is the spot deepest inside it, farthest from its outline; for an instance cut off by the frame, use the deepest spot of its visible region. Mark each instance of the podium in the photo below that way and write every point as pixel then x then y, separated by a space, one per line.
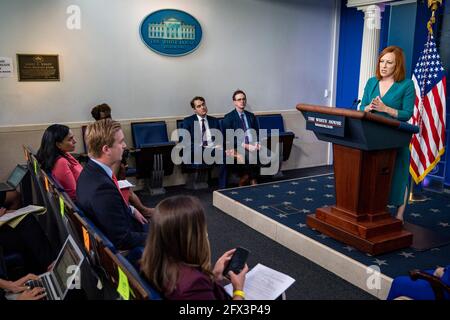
pixel 364 150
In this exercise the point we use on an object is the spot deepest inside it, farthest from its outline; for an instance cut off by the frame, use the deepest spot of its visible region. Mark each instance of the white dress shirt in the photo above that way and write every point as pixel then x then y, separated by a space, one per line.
pixel 207 132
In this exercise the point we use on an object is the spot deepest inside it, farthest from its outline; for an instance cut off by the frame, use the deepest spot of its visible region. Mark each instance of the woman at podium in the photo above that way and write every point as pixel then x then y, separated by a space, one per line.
pixel 390 94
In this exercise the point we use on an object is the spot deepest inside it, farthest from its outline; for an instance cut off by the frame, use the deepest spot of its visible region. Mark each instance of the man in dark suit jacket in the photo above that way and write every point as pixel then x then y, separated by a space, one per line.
pixel 200 124
pixel 239 118
pixel 98 194
pixel 203 131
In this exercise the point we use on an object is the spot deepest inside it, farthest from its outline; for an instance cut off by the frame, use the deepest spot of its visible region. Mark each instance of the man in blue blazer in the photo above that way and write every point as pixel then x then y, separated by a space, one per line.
pixel 199 125
pixel 240 118
pixel 98 194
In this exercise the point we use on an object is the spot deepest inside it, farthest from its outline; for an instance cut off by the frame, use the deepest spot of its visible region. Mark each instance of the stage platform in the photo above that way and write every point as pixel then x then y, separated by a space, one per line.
pixel 278 210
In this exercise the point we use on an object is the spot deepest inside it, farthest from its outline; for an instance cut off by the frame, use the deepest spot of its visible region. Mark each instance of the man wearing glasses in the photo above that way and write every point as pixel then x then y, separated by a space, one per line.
pixel 243 147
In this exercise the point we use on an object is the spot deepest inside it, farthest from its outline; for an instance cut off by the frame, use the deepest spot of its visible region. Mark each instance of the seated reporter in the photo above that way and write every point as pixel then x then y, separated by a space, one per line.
pixel 54 156
pixel 23 292
pixel 245 148
pixel 200 125
pixel 177 255
pixel 103 111
pixel 98 193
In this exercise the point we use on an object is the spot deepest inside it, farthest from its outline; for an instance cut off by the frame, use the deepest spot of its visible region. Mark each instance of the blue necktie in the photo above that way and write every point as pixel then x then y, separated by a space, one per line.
pixel 245 129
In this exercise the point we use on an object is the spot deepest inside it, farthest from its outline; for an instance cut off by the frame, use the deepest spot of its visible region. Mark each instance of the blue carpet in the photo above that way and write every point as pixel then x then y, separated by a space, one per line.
pixel 288 202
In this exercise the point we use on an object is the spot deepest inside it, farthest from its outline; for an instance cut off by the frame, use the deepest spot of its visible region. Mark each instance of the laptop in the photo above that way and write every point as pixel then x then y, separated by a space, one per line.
pixel 60 279
pixel 14 179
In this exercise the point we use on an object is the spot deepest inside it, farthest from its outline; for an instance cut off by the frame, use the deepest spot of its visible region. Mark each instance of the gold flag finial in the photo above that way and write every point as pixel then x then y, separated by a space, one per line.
pixel 433 5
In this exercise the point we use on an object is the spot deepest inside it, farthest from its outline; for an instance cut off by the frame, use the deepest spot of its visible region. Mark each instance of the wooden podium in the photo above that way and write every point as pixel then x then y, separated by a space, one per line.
pixel 364 151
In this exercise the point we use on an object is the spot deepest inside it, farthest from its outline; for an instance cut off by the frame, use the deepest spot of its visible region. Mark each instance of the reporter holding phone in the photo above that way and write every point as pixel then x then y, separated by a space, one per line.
pixel 177 255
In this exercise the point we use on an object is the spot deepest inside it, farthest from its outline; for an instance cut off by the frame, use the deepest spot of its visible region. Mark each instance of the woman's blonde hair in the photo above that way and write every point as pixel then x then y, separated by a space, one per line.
pixel 178 236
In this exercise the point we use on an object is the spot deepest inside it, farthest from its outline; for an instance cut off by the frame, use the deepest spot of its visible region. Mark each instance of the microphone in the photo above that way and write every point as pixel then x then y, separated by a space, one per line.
pixel 355 103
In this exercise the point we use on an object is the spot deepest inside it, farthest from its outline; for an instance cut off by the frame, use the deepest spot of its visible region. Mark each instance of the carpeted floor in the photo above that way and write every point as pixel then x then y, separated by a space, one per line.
pixel 289 202
pixel 225 232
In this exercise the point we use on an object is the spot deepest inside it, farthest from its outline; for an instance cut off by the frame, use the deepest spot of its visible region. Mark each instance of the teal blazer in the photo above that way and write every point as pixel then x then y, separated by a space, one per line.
pixel 400 96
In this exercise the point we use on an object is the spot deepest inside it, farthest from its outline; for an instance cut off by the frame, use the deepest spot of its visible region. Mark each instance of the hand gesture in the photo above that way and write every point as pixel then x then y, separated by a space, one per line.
pixel 19 285
pixel 139 217
pixel 233 153
pixel 238 280
pixel 368 108
pixel 378 105
pixel 439 272
pixel 33 294
pixel 221 263
pixel 148 212
pixel 252 148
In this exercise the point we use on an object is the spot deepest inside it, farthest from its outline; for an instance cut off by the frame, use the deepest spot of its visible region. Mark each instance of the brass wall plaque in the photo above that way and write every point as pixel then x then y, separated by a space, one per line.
pixel 38 67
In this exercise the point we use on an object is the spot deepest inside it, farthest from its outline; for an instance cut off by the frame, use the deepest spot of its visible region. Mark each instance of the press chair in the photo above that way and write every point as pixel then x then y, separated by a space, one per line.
pixel 153 153
pixel 271 122
pixel 139 289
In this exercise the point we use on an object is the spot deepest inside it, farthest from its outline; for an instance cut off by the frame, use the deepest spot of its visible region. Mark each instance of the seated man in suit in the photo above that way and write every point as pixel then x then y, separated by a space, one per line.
pixel 103 111
pixel 98 194
pixel 240 118
pixel 199 126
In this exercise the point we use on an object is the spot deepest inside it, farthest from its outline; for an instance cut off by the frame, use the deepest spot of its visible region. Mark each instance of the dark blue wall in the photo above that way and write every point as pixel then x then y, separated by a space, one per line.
pixel 401 33
pixel 349 59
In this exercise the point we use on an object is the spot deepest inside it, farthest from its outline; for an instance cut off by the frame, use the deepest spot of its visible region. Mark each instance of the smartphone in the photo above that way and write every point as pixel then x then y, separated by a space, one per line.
pixel 237 261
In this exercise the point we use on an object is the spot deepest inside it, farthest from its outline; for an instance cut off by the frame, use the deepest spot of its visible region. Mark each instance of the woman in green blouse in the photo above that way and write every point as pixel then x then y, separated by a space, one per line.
pixel 391 95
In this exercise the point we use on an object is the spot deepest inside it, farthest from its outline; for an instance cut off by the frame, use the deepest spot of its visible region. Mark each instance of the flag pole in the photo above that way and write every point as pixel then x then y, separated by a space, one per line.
pixel 433 5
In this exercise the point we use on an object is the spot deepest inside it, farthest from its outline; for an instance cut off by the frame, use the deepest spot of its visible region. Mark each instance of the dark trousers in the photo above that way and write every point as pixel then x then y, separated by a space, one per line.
pixel 28 239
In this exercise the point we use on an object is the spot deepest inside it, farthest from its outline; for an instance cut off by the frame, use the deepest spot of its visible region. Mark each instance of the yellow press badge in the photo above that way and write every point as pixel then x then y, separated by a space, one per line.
pixel 123 288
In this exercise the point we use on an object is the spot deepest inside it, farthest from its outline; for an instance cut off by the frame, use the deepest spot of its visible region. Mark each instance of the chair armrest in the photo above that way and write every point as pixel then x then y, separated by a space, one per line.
pixel 436 283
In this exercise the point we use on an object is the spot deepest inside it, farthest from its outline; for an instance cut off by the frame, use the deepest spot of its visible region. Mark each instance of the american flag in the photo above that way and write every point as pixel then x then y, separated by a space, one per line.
pixel 427 146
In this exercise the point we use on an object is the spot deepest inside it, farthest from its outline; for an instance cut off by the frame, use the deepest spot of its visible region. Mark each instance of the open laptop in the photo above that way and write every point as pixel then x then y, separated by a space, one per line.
pixel 14 179
pixel 59 280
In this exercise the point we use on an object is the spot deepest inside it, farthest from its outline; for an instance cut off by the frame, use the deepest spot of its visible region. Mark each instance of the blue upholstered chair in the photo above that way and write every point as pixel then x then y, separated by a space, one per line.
pixel 275 121
pixel 153 153
pixel 285 138
pixel 421 285
pixel 145 291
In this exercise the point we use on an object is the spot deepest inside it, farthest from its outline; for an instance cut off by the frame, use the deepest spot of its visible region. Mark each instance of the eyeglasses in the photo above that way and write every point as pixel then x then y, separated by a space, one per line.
pixel 241 99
